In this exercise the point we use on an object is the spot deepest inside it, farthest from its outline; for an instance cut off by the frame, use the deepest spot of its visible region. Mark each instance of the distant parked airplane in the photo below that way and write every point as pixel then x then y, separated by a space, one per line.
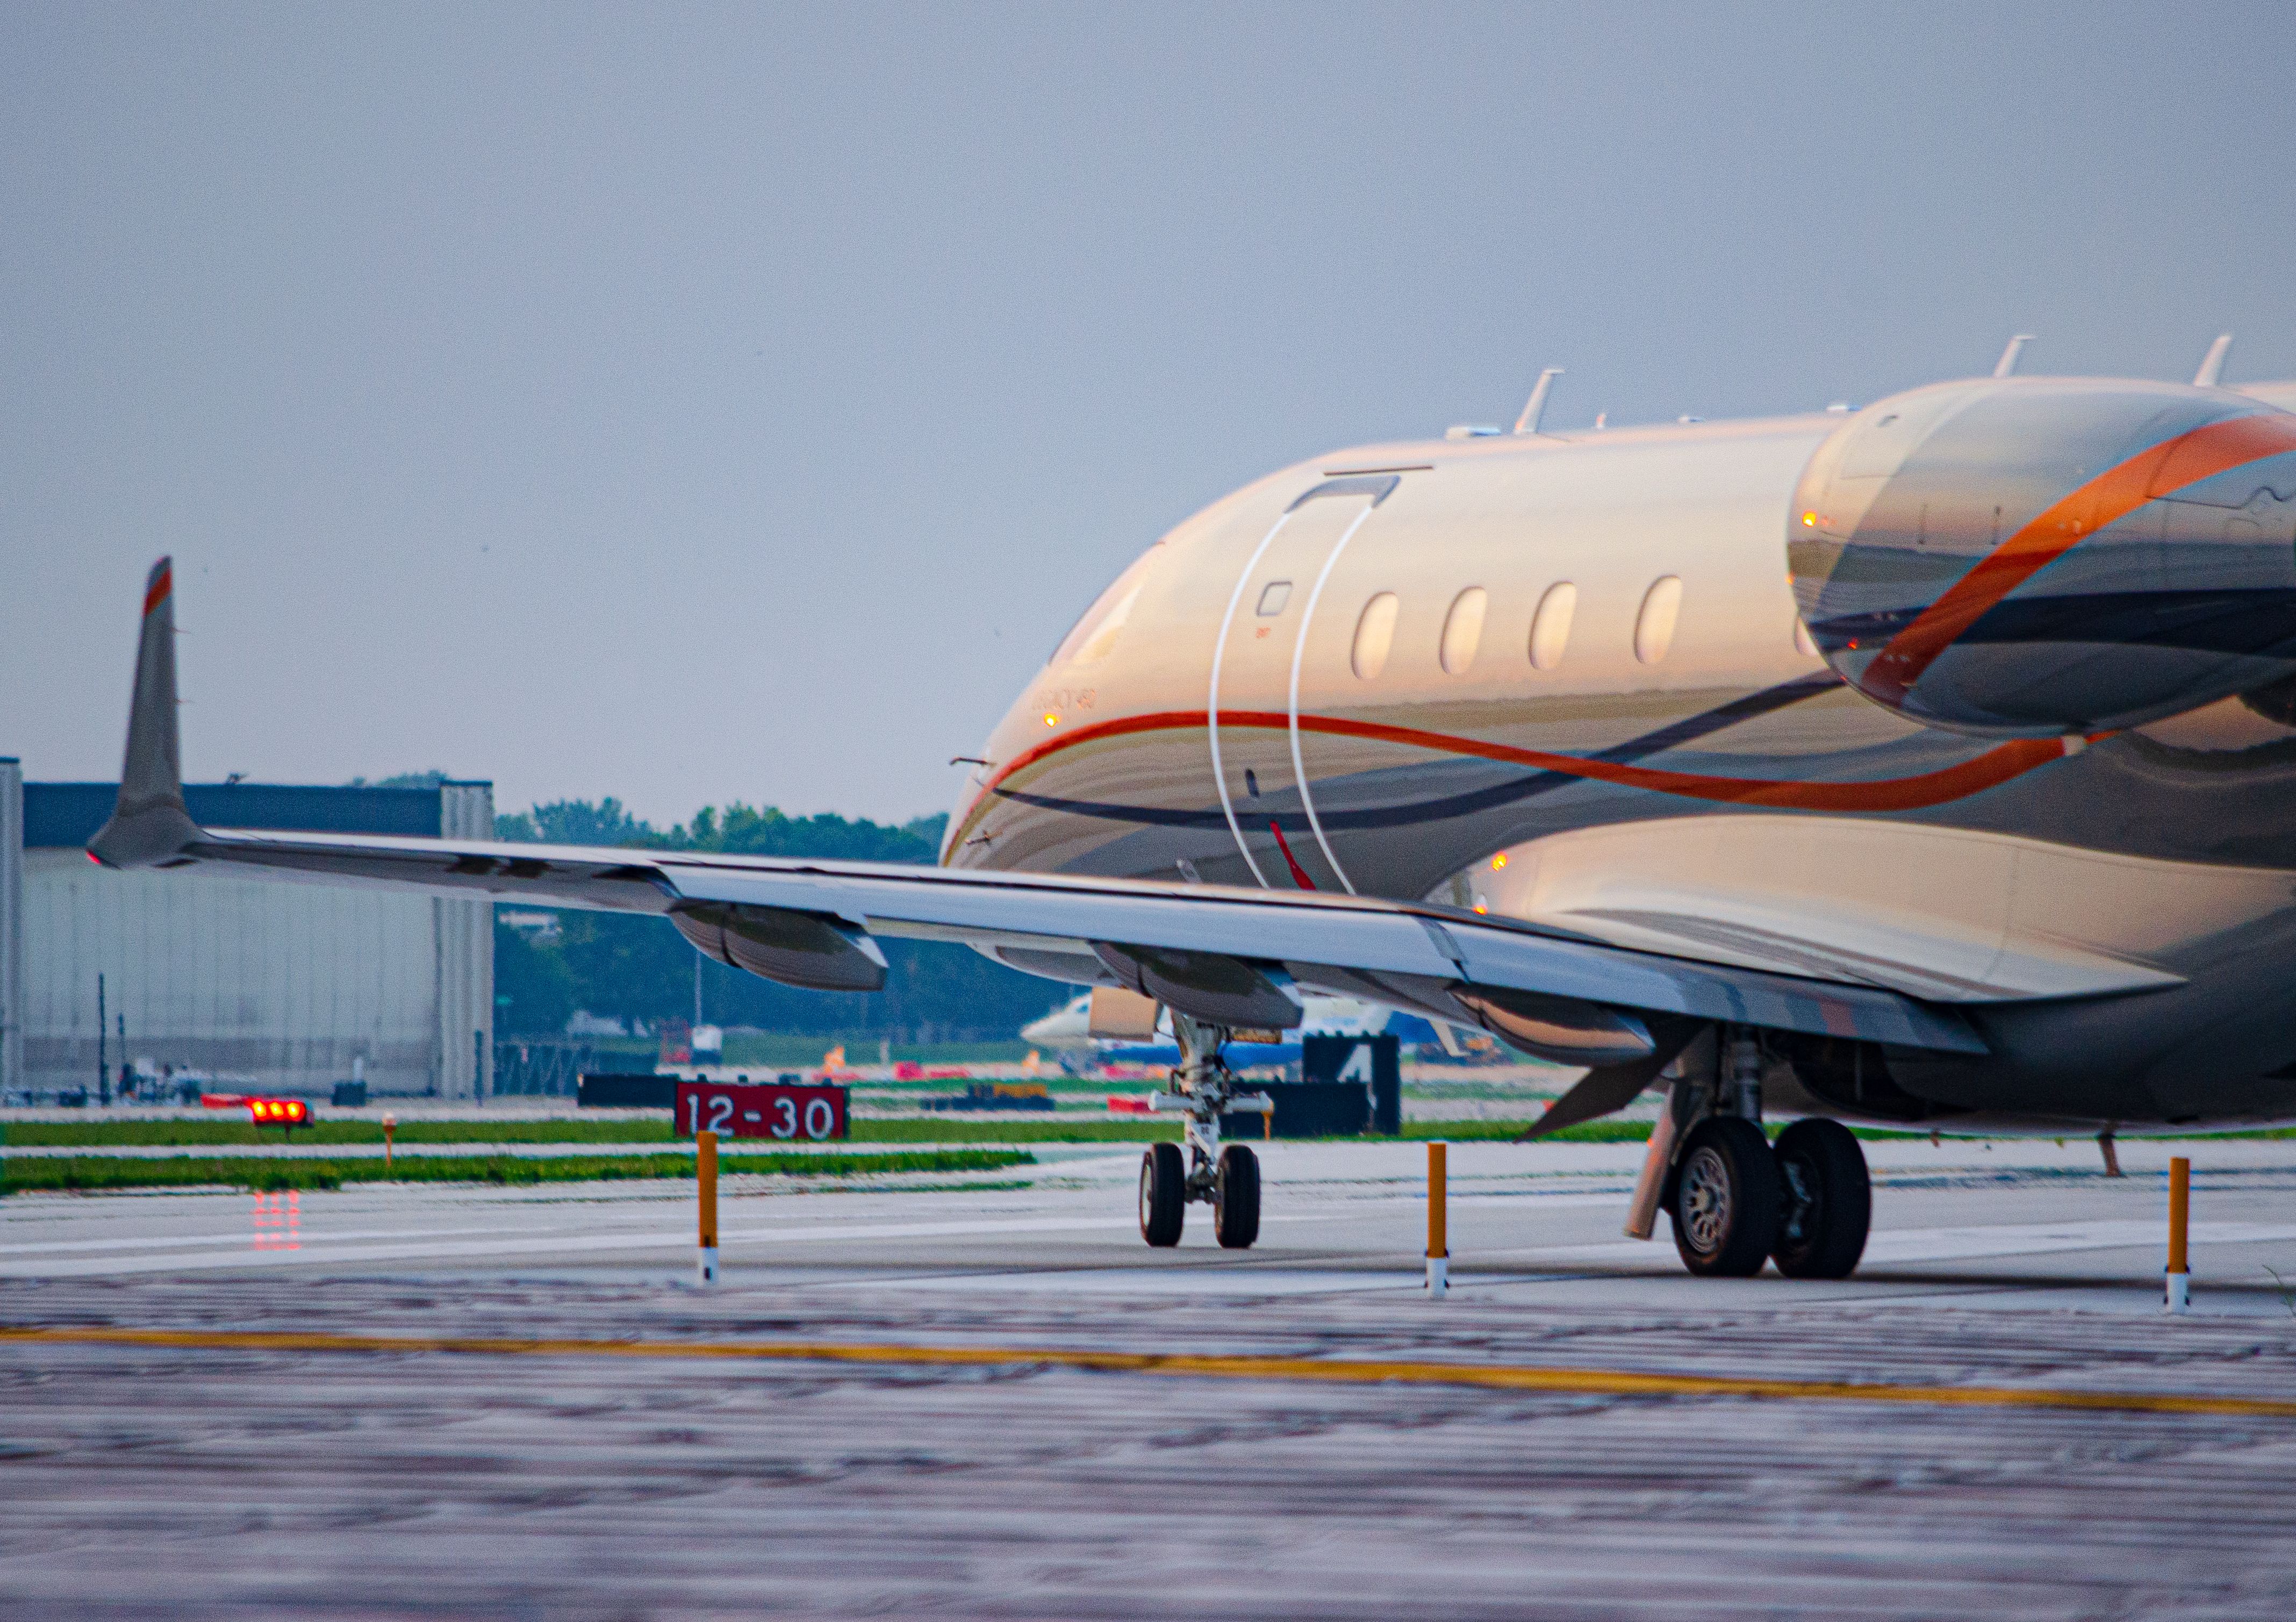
pixel 1067 1031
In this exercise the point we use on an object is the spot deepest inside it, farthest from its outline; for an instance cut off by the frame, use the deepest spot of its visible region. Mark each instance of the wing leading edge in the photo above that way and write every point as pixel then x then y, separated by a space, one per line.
pixel 1227 956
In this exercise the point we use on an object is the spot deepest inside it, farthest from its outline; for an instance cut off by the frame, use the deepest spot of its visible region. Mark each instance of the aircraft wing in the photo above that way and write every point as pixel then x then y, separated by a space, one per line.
pixel 1227 956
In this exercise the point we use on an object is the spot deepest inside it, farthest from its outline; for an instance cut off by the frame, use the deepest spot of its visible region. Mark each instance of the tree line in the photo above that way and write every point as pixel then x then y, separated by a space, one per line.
pixel 619 966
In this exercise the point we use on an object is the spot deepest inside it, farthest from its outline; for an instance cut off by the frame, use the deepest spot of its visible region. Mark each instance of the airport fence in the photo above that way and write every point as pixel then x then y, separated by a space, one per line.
pixel 545 1068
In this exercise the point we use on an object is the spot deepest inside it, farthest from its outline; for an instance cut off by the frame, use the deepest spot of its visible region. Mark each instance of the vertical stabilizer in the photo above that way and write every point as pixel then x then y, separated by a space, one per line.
pixel 149 823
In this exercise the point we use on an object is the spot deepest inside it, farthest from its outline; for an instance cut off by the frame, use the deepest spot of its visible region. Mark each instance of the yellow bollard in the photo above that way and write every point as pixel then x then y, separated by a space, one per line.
pixel 705 1172
pixel 389 1129
pixel 2180 1211
pixel 1438 1250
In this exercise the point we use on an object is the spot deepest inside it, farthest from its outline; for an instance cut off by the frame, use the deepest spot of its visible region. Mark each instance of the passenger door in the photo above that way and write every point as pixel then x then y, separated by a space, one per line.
pixel 1252 691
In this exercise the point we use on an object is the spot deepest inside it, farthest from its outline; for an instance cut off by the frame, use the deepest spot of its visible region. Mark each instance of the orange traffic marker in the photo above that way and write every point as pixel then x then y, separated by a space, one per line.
pixel 2180 1211
pixel 705 1171
pixel 1438 1246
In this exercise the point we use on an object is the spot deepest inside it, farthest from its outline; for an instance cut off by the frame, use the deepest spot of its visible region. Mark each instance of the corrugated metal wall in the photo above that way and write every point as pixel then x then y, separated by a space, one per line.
pixel 465 934
pixel 12 923
pixel 282 985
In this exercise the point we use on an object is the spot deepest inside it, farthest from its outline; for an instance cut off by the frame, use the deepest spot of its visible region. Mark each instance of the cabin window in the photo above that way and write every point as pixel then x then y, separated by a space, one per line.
pixel 1463 629
pixel 1654 625
pixel 1272 600
pixel 1374 636
pixel 1550 626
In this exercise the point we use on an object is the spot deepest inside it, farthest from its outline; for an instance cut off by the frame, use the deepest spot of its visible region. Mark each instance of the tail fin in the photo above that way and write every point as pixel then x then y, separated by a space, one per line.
pixel 149 823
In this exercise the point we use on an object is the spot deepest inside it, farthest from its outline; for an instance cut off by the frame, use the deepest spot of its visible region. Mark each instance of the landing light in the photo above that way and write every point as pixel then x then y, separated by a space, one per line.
pixel 1809 520
pixel 1051 720
pixel 1498 861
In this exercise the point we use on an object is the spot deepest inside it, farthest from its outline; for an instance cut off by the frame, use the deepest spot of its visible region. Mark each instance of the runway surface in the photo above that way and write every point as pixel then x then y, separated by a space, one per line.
pixel 981 1428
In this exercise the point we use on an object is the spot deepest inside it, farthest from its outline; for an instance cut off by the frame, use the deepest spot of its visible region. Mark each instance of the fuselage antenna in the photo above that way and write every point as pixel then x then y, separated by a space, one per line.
pixel 1535 407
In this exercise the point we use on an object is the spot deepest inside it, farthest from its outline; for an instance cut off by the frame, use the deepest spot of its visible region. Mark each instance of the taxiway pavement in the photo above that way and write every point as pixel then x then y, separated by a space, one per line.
pixel 219 1470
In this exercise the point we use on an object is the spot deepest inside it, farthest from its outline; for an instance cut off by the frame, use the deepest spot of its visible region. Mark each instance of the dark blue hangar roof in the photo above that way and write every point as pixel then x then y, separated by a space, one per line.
pixel 68 813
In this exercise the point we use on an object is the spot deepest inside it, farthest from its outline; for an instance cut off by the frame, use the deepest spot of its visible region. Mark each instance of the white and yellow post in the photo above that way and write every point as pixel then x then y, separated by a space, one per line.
pixel 705 1172
pixel 2180 1211
pixel 1438 1250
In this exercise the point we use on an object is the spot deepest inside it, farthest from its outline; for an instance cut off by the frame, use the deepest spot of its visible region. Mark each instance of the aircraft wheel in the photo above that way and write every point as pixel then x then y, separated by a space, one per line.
pixel 1235 1198
pixel 1163 1195
pixel 1828 1200
pixel 1725 1198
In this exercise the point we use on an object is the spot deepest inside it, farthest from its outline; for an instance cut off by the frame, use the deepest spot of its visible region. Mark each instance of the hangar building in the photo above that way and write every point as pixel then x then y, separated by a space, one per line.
pixel 264 984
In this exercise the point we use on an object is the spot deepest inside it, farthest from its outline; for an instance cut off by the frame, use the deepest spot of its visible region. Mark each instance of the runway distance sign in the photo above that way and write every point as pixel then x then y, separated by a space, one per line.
pixel 766 1110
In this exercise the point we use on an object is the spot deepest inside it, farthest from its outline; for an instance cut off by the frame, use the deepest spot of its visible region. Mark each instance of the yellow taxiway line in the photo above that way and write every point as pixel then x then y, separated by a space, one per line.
pixel 1601 1382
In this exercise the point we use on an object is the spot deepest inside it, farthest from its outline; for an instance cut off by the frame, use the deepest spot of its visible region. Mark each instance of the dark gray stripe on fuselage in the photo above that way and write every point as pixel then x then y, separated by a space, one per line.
pixel 1673 735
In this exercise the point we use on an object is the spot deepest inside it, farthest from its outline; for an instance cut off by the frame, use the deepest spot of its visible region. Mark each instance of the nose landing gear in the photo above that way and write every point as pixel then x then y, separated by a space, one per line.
pixel 1224 1177
pixel 1163 1195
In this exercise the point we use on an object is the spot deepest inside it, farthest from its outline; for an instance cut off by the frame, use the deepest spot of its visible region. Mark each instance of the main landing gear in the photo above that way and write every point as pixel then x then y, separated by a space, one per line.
pixel 1226 1177
pixel 1737 1200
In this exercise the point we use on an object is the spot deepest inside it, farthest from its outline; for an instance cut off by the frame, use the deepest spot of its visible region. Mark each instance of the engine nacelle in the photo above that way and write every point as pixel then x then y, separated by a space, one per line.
pixel 2023 557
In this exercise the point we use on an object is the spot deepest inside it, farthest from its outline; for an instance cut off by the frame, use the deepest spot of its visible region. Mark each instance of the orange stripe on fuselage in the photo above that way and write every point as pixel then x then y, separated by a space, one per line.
pixel 1995 765
pixel 2168 467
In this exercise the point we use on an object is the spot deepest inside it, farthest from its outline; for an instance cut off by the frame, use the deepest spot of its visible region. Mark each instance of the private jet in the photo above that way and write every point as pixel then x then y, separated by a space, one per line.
pixel 1929 765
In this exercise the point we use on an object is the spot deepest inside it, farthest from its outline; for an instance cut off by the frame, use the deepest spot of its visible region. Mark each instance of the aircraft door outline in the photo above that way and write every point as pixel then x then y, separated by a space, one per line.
pixel 1292 699
pixel 1376 489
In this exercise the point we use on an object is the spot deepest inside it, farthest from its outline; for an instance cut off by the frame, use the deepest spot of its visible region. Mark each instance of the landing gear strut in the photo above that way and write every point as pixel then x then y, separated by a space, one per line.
pixel 1736 1200
pixel 1224 1177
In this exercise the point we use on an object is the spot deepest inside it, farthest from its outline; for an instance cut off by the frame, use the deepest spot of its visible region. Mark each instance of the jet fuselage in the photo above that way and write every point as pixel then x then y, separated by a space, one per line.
pixel 1567 679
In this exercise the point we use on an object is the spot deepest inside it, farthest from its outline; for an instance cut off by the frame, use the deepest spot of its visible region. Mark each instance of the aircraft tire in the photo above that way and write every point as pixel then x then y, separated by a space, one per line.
pixel 1163 1195
pixel 1828 1200
pixel 1236 1199
pixel 1725 1210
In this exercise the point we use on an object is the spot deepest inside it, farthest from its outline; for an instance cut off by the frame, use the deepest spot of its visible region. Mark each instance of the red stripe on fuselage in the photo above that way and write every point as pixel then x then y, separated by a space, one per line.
pixel 2166 468
pixel 1995 765
pixel 1298 874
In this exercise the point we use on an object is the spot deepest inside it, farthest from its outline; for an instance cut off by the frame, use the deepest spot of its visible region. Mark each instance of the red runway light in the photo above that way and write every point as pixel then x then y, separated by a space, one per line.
pixel 279 1111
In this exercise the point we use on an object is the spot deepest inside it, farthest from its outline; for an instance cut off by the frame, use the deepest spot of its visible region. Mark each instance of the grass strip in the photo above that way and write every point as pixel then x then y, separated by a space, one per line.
pixel 1135 1129
pixel 272 1176
pixel 236 1130
pixel 242 1134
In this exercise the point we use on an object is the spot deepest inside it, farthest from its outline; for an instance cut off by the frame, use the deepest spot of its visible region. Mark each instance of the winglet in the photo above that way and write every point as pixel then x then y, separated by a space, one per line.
pixel 2006 365
pixel 2211 372
pixel 149 823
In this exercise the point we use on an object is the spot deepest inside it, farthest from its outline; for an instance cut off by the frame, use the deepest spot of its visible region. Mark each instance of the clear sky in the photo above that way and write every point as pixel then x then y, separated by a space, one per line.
pixel 692 402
